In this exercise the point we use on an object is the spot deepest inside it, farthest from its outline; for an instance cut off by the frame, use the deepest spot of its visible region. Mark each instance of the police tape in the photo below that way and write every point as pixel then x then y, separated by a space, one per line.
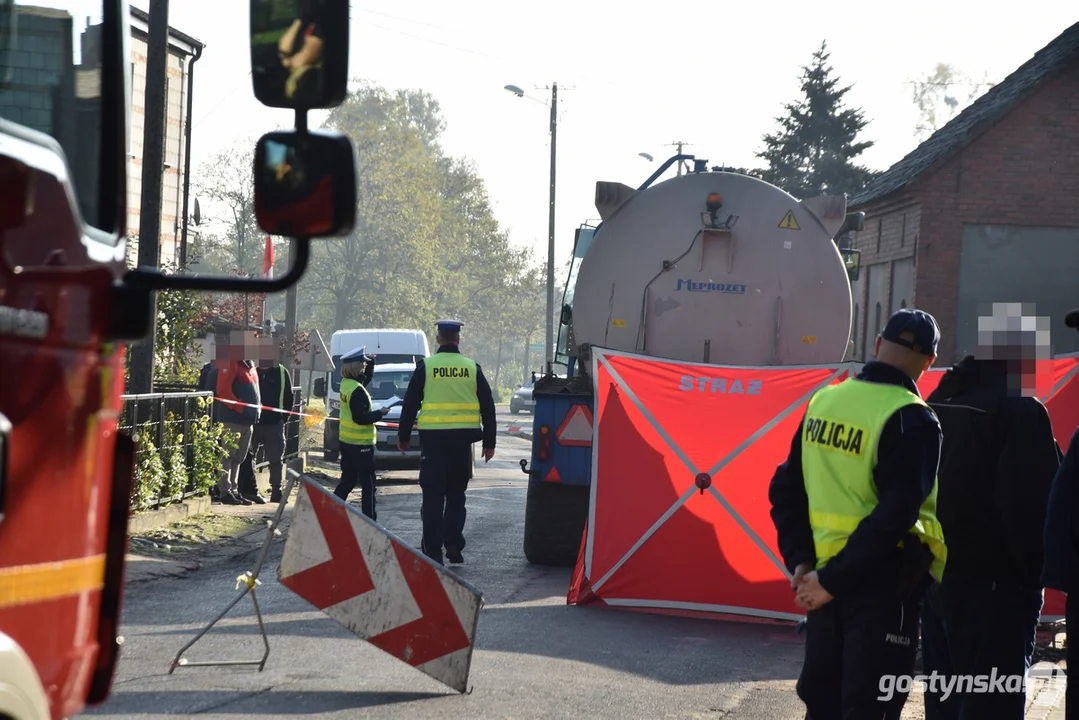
pixel 267 408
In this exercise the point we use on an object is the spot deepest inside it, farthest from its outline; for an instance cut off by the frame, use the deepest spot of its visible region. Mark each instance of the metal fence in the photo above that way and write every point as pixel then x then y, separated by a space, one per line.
pixel 149 413
pixel 293 423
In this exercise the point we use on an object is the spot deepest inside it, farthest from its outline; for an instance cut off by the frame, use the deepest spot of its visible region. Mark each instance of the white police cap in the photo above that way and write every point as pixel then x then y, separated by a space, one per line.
pixel 357 355
pixel 449 326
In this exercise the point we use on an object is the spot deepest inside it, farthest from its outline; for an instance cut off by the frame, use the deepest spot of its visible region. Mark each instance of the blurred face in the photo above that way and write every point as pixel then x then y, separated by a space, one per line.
pixel 234 346
pixel 1011 332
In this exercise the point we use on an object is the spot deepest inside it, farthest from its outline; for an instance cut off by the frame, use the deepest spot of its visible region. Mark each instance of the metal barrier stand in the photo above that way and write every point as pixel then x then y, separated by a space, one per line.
pixel 246 584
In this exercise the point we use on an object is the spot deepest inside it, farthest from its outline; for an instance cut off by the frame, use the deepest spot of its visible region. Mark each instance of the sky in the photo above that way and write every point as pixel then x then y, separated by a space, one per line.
pixel 633 78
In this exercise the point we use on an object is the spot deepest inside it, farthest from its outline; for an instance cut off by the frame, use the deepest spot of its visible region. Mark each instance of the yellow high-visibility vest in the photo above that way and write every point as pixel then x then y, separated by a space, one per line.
pixel 450 401
pixel 350 432
pixel 839 451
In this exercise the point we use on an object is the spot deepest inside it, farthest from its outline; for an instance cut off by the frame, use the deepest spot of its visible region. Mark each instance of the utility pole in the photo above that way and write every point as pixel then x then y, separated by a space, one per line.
pixel 678 144
pixel 153 163
pixel 550 233
pixel 290 320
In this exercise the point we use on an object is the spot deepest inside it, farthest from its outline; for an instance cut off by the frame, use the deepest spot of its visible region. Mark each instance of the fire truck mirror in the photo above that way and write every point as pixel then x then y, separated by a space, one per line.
pixel 299 52
pixel 305 184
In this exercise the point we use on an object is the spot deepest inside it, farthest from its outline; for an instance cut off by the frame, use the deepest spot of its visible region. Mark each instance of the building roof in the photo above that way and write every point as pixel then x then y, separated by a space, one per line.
pixel 175 34
pixel 978 117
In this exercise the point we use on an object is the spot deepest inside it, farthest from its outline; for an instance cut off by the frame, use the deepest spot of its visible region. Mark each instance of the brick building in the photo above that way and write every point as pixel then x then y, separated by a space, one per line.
pixel 985 210
pixel 183 51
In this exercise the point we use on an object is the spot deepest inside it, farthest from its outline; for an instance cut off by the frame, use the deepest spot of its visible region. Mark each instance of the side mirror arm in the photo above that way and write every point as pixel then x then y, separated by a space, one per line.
pixel 144 279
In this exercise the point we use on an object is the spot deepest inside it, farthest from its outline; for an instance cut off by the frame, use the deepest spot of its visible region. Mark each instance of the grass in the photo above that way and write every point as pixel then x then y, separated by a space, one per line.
pixel 188 536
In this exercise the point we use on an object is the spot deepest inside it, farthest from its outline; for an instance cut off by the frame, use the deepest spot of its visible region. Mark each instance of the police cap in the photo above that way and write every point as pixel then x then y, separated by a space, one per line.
pixel 449 326
pixel 357 355
pixel 922 326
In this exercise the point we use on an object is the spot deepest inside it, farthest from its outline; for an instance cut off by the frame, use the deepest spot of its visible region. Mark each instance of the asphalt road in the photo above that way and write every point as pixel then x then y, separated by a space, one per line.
pixel 535 656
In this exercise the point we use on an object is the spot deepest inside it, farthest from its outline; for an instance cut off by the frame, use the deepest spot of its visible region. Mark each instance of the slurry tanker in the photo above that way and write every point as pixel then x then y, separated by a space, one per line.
pixel 712 267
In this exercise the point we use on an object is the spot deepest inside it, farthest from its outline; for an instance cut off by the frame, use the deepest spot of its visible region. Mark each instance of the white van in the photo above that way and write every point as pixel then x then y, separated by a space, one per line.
pixel 388 345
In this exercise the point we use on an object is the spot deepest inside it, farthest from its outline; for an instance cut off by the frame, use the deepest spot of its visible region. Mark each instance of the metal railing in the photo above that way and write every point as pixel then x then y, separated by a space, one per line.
pixel 149 414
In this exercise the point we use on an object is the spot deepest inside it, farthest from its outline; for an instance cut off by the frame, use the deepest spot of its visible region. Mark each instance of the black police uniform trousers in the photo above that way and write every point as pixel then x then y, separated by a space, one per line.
pixel 445 469
pixel 853 644
pixel 972 628
pixel 358 468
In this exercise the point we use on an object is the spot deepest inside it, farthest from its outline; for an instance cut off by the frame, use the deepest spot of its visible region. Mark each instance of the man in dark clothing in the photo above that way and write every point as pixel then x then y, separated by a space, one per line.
pixel 275 387
pixel 456 400
pixel 853 507
pixel 1061 538
pixel 997 463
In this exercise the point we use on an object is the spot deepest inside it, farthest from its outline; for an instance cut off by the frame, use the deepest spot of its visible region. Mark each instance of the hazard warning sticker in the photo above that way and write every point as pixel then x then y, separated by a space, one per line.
pixel 576 429
pixel 788 222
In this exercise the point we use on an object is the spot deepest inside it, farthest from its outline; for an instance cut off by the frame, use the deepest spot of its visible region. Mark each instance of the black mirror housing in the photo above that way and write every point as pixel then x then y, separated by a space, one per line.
pixel 320 387
pixel 299 52
pixel 305 184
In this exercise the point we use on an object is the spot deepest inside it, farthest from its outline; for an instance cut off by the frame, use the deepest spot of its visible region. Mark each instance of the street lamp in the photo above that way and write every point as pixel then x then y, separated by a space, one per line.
pixel 550 226
pixel 646 156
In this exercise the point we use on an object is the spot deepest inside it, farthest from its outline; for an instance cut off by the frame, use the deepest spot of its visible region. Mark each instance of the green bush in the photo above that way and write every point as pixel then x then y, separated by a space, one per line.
pixel 149 472
pixel 164 473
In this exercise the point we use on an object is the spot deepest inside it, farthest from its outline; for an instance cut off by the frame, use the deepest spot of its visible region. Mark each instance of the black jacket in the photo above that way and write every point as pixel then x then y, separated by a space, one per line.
pixel 1061 569
pixel 410 407
pixel 997 464
pixel 907 457
pixel 270 390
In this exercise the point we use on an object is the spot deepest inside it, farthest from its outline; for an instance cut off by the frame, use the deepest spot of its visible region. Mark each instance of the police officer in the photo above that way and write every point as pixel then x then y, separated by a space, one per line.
pixel 456 400
pixel 357 430
pixel 854 508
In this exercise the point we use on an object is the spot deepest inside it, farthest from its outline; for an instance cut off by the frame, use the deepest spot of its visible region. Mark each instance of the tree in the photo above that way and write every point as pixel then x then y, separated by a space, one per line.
pixel 182 315
pixel 812 153
pixel 940 95
pixel 227 182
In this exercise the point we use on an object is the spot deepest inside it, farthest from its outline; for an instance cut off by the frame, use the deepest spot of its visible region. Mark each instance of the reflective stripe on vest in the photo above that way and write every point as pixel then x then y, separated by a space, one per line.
pixel 450 401
pixel 349 431
pixel 839 451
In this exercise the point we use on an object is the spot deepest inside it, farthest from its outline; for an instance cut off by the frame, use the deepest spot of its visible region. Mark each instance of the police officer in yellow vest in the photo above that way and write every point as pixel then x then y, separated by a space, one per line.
pixel 854 507
pixel 453 400
pixel 357 431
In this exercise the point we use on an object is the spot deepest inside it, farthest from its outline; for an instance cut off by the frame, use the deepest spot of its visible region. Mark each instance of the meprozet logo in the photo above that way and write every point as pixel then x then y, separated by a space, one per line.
pixel 694 286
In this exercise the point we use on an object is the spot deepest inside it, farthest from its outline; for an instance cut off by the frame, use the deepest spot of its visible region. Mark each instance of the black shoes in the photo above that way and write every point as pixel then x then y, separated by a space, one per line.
pixel 453 554
pixel 275 496
pixel 229 498
pixel 256 498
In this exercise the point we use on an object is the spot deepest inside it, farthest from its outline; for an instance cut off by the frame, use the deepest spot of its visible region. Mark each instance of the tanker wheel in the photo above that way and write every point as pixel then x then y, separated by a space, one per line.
pixel 555 516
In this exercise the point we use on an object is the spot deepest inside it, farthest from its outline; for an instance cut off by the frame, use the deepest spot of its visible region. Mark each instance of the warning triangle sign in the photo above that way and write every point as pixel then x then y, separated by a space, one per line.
pixel 576 429
pixel 788 222
pixel 553 476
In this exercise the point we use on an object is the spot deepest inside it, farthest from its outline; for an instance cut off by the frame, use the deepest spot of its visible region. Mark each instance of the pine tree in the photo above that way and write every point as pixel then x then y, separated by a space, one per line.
pixel 813 151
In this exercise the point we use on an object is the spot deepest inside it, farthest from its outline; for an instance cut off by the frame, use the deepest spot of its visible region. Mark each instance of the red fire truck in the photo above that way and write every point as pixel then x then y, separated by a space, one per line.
pixel 69 301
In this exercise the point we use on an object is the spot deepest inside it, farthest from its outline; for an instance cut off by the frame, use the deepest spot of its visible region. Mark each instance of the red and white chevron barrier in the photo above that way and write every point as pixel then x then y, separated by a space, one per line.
pixel 379 587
